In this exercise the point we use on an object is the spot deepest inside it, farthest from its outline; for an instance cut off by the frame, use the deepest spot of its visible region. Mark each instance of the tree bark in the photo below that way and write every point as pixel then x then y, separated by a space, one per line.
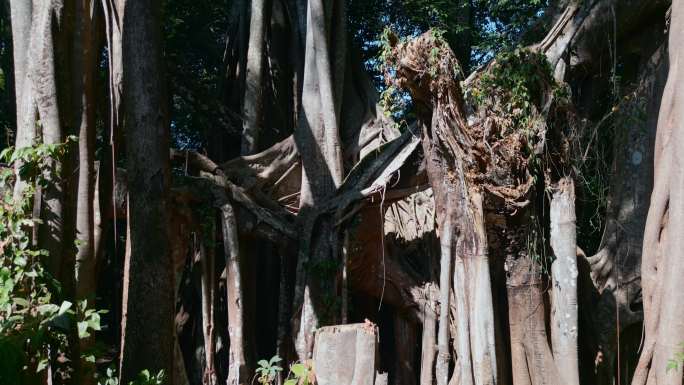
pixel 615 268
pixel 253 108
pixel 447 145
pixel 661 268
pixel 148 298
pixel 318 141
pixel 206 258
pixel 236 366
pixel 21 12
pixel 532 360
pixel 83 62
pixel 428 345
pixel 464 363
pixel 479 291
pixel 443 356
pixel 42 70
pixel 564 325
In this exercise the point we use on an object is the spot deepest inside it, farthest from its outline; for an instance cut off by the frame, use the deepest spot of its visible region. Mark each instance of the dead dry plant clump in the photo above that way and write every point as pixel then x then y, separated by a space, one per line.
pixel 496 122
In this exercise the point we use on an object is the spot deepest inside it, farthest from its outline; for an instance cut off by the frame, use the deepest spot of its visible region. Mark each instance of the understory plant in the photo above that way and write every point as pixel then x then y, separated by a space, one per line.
pixel 267 372
pixel 38 328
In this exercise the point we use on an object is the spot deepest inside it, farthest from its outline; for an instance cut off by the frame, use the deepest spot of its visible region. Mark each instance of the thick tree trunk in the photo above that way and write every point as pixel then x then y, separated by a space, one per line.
pixel 462 204
pixel 20 17
pixel 428 341
pixel 447 145
pixel 479 291
pixel 21 12
pixel 84 62
pixel 113 13
pixel 615 268
pixel 42 70
pixel 253 109
pixel 148 298
pixel 236 366
pixel 464 363
pixel 206 258
pixel 564 326
pixel 443 356
pixel 318 141
pixel 532 360
pixel 661 268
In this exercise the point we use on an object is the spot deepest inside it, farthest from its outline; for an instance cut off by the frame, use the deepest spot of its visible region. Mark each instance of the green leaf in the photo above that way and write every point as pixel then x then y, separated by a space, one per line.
pixel 48 308
pixel 94 321
pixel 263 363
pixel 83 329
pixel 6 154
pixel 42 364
pixel 275 359
pixel 291 381
pixel 21 302
pixel 144 375
pixel 299 370
pixel 66 305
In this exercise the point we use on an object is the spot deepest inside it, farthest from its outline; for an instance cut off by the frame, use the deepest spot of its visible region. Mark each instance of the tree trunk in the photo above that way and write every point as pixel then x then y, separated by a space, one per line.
pixel 564 326
pixel 661 268
pixel 84 62
pixel 318 142
pixel 615 268
pixel 449 162
pixel 464 363
pixel 236 366
pixel 113 19
pixel 253 109
pixel 428 345
pixel 443 356
pixel 148 298
pixel 206 258
pixel 21 12
pixel 532 360
pixel 42 70
pixel 480 302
